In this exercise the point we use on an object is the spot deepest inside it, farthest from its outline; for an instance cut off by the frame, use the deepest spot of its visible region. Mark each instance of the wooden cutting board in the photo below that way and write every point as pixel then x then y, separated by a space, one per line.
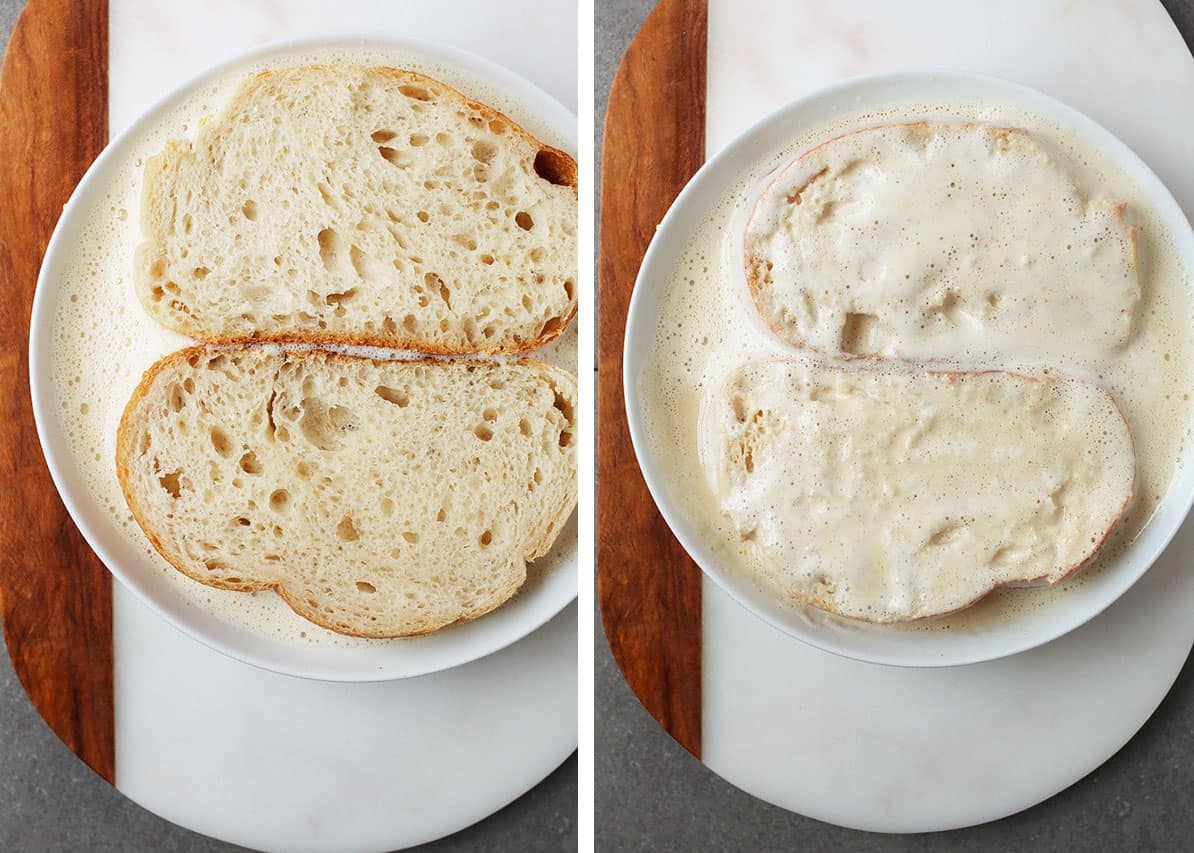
pixel 55 594
pixel 205 741
pixel 648 587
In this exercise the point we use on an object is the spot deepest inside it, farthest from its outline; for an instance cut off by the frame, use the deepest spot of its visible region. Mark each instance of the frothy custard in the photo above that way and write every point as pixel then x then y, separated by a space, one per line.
pixel 709 327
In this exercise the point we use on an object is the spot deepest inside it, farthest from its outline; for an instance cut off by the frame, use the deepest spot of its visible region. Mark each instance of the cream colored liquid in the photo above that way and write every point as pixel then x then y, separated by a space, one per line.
pixel 708 326
pixel 104 341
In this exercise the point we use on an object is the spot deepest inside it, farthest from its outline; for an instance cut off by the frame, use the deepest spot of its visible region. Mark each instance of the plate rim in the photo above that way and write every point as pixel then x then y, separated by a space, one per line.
pixel 1180 489
pixel 73 492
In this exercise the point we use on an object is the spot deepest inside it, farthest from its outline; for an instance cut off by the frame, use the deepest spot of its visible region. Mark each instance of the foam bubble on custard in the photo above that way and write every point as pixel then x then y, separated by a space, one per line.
pixel 104 340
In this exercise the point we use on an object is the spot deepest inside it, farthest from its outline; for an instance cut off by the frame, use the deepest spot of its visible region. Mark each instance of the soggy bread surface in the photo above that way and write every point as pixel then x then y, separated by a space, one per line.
pixel 897 494
pixel 360 205
pixel 378 498
pixel 940 240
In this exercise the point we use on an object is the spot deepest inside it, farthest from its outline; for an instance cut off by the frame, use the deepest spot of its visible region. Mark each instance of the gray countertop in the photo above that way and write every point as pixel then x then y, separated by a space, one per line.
pixel 652 795
pixel 51 801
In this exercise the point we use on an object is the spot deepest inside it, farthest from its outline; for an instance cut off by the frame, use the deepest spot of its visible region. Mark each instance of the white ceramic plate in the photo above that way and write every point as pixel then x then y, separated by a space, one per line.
pixel 879 644
pixel 179 601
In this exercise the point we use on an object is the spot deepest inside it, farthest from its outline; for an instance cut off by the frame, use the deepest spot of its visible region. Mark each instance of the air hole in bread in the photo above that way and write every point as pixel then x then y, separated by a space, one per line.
pixel 392 395
pixel 250 464
pixel 445 139
pixel 410 536
pixel 243 522
pixel 561 403
pixel 365 586
pixel 171 483
pixel 389 325
pixel 387 506
pixel 157 294
pixel 424 216
pixel 486 538
pixel 214 565
pixel 551 328
pixel 220 441
pixel 409 323
pixel 489 415
pixel 380 136
pixel 343 418
pixel 329 247
pixel 340 299
pixel 401 159
pixel 416 93
pixel 487 259
pixel 346 530
pixel 524 426
pixel 442 515
pixel 860 334
pixel 305 469
pixel 483 151
pixel 466 242
pixel 321 424
pixel 523 220
pixel 537 476
pixel 176 398
pixel 569 286
pixel 249 209
pixel 357 257
pixel 418 140
pixel 435 283
pixel 279 500
pixel 158 268
pixel 483 432
pixel 555 167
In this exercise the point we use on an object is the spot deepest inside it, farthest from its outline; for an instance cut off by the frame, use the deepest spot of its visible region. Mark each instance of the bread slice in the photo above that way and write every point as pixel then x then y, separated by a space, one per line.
pixel 938 240
pixel 893 495
pixel 360 205
pixel 378 498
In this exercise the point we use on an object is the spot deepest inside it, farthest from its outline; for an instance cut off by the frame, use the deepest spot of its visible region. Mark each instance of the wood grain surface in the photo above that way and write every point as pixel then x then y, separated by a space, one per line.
pixel 648 587
pixel 55 594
